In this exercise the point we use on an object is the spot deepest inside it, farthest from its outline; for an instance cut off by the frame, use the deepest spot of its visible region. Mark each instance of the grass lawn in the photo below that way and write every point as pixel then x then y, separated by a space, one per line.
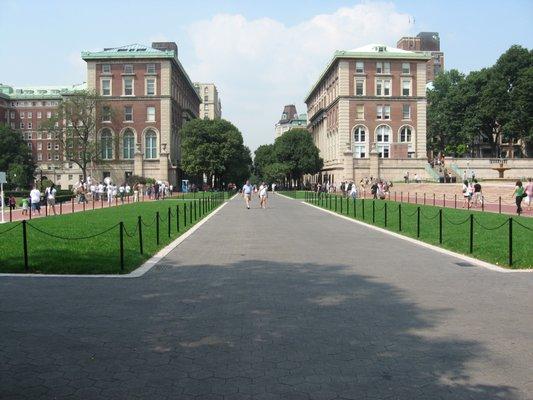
pixel 490 230
pixel 99 254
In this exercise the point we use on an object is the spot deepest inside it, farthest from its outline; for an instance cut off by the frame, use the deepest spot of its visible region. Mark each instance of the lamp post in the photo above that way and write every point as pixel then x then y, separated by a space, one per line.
pixel 39 171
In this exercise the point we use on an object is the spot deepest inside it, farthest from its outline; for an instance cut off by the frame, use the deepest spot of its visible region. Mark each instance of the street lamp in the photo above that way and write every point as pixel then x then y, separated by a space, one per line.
pixel 39 171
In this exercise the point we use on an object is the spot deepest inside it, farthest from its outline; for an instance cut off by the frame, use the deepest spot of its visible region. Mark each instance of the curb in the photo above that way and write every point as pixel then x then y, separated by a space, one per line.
pixel 139 271
pixel 463 257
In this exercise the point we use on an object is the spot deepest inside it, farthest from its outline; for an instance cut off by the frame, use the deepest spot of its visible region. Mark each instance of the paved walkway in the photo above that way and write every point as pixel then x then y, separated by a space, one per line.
pixel 284 303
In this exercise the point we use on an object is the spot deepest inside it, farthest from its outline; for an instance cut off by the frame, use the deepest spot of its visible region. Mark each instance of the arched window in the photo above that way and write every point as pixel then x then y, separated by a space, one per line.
pixel 406 136
pixel 128 144
pixel 150 145
pixel 359 141
pixel 383 135
pixel 106 145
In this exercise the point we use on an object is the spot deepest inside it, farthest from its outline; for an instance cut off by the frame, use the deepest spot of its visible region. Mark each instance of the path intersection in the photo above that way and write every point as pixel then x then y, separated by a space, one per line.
pixel 284 303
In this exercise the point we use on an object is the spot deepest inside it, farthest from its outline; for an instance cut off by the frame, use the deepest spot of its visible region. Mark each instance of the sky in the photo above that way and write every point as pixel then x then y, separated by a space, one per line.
pixel 261 55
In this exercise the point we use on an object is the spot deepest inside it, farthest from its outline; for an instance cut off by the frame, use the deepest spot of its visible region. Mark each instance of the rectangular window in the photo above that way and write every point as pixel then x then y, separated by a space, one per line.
pixel 386 112
pixel 406 111
pixel 206 107
pixel 30 125
pixel 29 135
pixel 56 146
pixel 383 112
pixel 150 114
pixel 22 125
pixel 128 68
pixel 359 87
pixel 48 114
pixel 406 87
pixel 406 68
pixel 379 112
pixel 382 67
pixel 39 157
pixel 150 68
pixel 106 114
pixel 49 146
pixel 106 68
pixel 12 125
pixel 30 114
pixel 29 145
pixel 360 111
pixel 22 115
pixel 128 113
pixel 39 115
pixel 128 86
pixel 383 87
pixel 150 87
pixel 359 151
pixel 12 115
pixel 39 146
pixel 106 87
pixel 49 157
pixel 359 67
pixel 383 150
pixel 56 157
pixel 70 177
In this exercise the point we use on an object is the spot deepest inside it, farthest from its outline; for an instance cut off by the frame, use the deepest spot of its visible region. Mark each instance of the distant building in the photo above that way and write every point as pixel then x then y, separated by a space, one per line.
pixel 210 107
pixel 290 119
pixel 428 42
pixel 367 114
pixel 149 91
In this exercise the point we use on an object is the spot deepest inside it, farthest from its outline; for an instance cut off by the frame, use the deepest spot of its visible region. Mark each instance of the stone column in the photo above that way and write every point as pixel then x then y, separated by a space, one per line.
pixel 348 165
pixel 374 162
pixel 138 161
pixel 163 163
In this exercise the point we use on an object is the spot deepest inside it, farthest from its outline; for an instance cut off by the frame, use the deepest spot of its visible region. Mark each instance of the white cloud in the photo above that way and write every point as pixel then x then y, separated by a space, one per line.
pixel 260 65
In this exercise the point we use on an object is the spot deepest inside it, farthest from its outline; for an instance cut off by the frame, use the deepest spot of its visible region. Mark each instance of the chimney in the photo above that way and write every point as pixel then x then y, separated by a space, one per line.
pixel 166 46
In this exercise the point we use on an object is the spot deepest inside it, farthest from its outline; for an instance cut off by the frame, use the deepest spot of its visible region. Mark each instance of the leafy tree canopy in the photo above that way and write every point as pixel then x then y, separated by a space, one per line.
pixel 15 158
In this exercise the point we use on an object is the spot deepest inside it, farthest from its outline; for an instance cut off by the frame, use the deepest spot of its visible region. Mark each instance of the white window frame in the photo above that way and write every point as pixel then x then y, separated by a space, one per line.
pixel 359 70
pixel 153 149
pixel 383 83
pixel 151 78
pixel 108 154
pixel 126 114
pixel 39 115
pixel 128 133
pixel 106 116
pixel 359 146
pixel 148 69
pixel 49 114
pixel 363 80
pixel 124 86
pixel 408 118
pixel 148 114
pixel 383 146
pixel 106 67
pixel 127 68
pixel 408 69
pixel 357 111
pixel 410 82
pixel 102 80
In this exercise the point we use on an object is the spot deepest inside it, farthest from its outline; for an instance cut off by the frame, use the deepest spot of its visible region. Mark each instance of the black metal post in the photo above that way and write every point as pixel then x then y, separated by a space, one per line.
pixel 140 227
pixel 385 216
pixel 433 198
pixel 169 220
pixel 121 229
pixel 341 204
pixel 25 244
pixel 354 208
pixel 184 214
pixel 373 211
pixel 471 233
pixel 400 217
pixel 335 203
pixel 455 200
pixel 190 213
pixel 418 222
pixel 177 218
pixel 157 227
pixel 363 207
pixel 500 204
pixel 424 198
pixel 195 203
pixel 440 226
pixel 444 200
pixel 416 197
pixel 510 241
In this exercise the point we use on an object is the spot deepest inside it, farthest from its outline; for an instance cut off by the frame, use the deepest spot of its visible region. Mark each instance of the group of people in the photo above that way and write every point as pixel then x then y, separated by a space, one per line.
pixel 249 190
pixel 472 194
pixel 522 192
pixel 378 188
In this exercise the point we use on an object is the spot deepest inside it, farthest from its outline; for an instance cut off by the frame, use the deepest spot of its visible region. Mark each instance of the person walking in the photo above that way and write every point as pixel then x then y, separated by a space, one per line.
pixel 519 194
pixel 50 195
pixel 353 191
pixel 477 199
pixel 35 196
pixel 12 202
pixel 529 193
pixel 263 195
pixel 25 205
pixel 247 190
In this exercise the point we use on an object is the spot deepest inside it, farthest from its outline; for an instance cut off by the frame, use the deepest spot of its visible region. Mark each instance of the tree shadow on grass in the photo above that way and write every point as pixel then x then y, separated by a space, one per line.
pixel 250 328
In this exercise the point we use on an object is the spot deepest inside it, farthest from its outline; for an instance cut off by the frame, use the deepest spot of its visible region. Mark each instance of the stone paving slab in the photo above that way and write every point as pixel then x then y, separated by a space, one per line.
pixel 284 303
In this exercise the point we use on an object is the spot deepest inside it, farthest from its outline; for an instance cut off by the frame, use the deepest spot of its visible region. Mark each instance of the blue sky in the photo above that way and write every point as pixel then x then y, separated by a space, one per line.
pixel 261 55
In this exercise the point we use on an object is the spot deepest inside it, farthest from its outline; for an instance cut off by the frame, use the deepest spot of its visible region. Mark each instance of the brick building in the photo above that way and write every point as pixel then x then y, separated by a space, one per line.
pixel 427 43
pixel 211 107
pixel 148 90
pixel 367 114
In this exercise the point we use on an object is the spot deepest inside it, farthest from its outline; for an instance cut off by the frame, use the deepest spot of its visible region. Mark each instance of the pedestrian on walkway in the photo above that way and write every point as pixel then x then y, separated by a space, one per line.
pixel 353 191
pixel 519 194
pixel 529 193
pixel 477 199
pixel 247 193
pixel 35 196
pixel 467 194
pixel 50 195
pixel 25 205
pixel 263 195
pixel 12 202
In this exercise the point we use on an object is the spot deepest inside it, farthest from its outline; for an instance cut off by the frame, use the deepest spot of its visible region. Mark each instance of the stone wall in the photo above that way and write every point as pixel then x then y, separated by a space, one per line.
pixel 482 167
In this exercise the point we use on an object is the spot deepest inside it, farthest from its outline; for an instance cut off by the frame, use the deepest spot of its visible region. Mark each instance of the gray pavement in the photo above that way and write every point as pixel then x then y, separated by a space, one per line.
pixel 284 303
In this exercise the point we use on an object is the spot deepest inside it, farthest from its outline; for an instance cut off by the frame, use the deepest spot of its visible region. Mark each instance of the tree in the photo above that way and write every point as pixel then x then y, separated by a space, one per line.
pixel 264 156
pixel 214 148
pixel 299 155
pixel 15 157
pixel 75 127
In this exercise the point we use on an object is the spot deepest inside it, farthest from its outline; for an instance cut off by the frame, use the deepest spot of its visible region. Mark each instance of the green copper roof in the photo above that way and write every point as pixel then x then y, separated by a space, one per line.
pixel 38 92
pixel 128 51
pixel 371 51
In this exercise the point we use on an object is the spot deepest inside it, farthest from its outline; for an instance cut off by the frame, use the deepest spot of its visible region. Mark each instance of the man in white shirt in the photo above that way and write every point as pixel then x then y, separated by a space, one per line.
pixel 247 193
pixel 35 197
